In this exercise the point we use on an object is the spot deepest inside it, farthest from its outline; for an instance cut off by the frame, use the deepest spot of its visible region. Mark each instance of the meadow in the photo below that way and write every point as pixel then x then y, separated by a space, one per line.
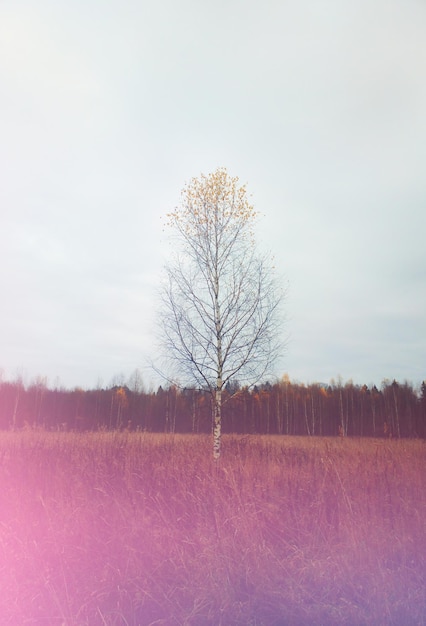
pixel 130 529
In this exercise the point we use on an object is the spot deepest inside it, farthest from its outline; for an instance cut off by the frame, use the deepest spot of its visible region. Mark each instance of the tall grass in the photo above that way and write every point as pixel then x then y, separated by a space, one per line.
pixel 137 529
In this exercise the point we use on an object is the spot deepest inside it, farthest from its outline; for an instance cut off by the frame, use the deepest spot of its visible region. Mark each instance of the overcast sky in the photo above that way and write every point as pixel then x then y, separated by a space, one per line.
pixel 107 109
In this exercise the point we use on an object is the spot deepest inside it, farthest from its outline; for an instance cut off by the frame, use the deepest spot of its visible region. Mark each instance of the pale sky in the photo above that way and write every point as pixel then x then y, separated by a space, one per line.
pixel 108 108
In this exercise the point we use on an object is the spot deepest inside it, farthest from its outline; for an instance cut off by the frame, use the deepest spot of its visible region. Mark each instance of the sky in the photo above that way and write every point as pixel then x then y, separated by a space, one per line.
pixel 107 110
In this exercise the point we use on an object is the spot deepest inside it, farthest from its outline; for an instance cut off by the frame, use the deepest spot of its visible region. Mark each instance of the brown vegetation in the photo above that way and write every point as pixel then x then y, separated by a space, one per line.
pixel 137 529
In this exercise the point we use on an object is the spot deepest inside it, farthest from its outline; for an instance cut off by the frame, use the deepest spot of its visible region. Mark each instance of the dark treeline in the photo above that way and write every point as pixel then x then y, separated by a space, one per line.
pixel 394 410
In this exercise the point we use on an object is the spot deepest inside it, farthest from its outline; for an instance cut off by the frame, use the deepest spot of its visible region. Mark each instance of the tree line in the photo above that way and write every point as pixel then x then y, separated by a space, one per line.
pixel 284 408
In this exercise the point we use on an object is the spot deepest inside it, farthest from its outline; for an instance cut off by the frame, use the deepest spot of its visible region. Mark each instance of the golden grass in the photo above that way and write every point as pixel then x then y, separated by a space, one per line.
pixel 137 529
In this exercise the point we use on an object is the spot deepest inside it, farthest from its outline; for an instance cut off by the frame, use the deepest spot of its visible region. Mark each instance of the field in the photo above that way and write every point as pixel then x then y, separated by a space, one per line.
pixel 138 529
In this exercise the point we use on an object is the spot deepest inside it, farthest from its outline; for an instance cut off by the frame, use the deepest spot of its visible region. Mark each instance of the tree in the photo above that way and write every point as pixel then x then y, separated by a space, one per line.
pixel 220 317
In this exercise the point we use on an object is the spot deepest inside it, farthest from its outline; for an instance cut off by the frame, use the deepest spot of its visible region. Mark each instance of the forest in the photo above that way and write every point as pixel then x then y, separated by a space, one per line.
pixel 395 410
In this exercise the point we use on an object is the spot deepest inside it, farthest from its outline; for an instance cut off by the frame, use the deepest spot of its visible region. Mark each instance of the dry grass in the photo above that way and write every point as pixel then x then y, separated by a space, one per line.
pixel 137 529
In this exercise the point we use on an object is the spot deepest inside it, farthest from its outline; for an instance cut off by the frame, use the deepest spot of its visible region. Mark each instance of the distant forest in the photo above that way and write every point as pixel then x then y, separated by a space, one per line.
pixel 283 408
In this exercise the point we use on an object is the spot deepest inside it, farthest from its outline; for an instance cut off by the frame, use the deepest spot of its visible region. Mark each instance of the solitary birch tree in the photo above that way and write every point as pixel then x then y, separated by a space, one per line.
pixel 219 317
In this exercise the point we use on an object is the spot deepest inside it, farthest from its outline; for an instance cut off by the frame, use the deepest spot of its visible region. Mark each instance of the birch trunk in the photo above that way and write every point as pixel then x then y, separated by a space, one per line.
pixel 217 424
